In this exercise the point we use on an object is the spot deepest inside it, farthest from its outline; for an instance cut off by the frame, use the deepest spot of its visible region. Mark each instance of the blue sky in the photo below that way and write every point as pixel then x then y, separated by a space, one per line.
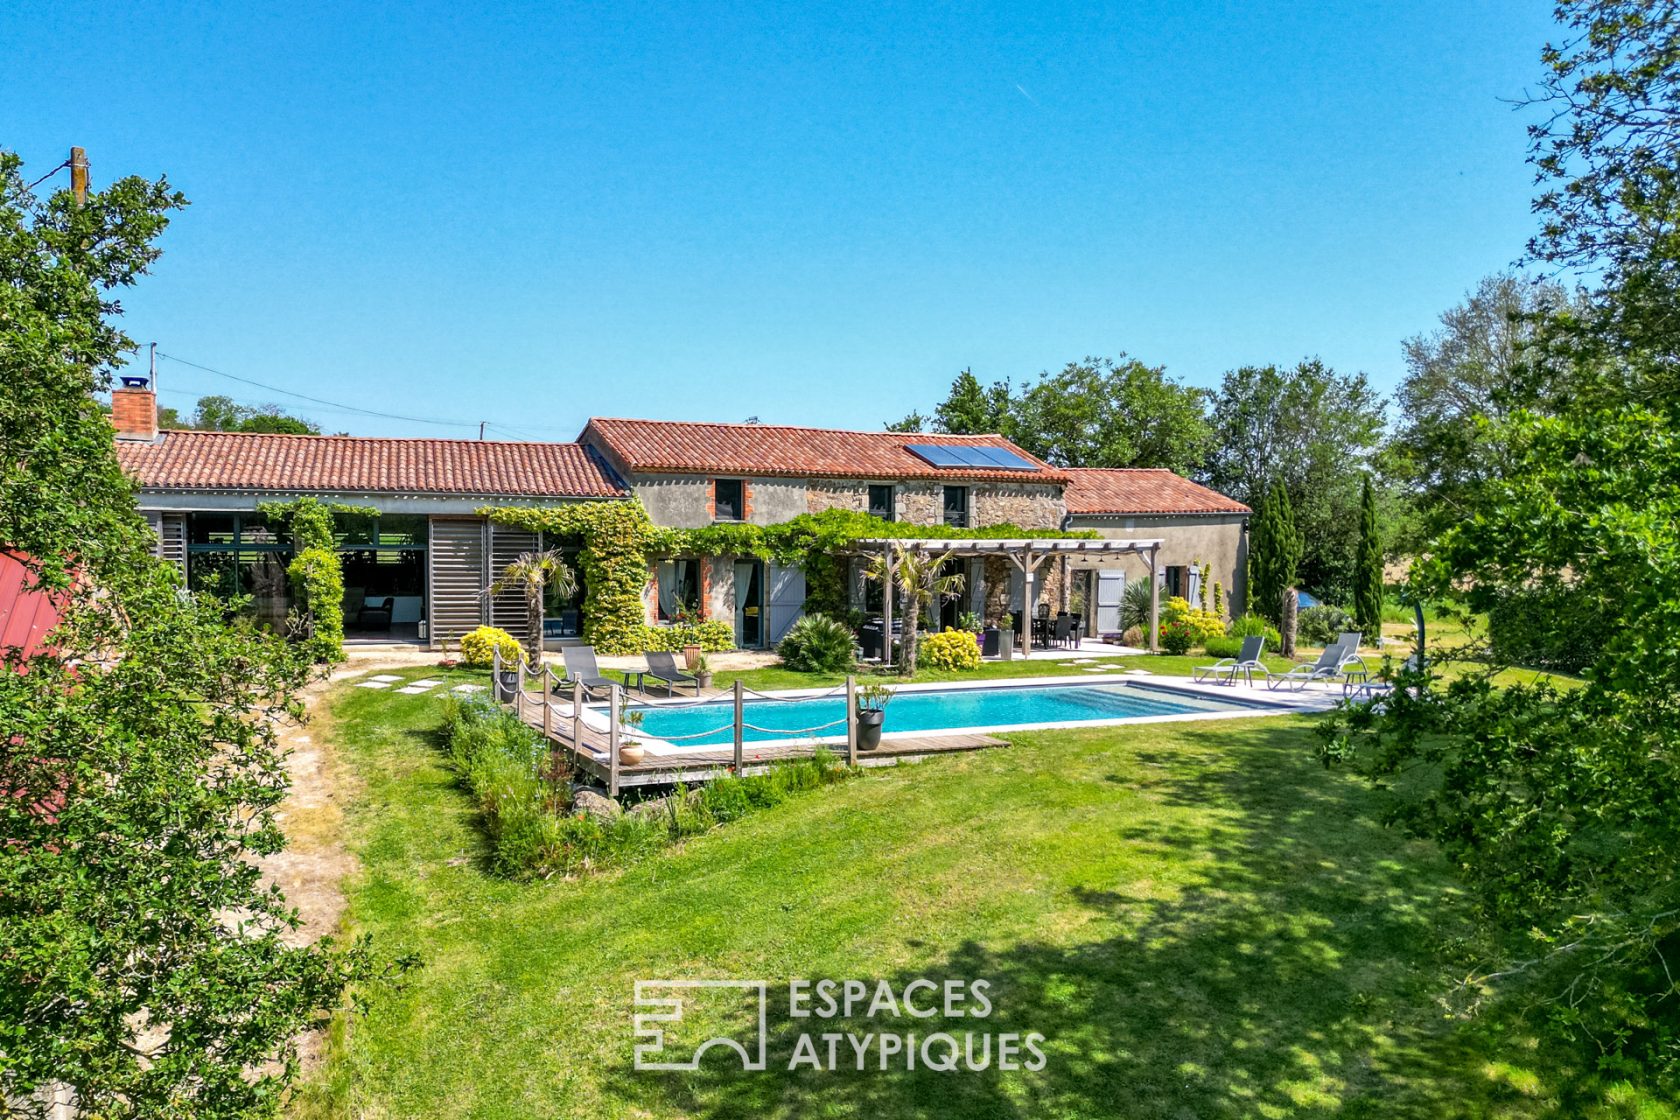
pixel 809 213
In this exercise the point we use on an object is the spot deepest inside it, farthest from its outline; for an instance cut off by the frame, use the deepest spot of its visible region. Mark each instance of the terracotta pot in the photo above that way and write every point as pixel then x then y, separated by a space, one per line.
pixel 705 679
pixel 630 754
pixel 691 654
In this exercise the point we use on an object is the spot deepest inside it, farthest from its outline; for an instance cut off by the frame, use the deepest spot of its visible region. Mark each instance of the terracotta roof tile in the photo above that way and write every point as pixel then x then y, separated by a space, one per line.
pixel 363 465
pixel 679 447
pixel 1142 491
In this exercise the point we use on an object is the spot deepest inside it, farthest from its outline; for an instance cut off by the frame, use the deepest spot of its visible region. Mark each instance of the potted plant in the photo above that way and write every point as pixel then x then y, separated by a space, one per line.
pixel 702 670
pixel 684 619
pixel 450 658
pixel 872 714
pixel 630 752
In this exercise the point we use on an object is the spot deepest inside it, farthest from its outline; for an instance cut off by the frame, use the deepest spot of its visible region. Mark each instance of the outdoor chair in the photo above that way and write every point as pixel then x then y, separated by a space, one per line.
pixel 1245 662
pixel 581 667
pixel 1064 631
pixel 1328 667
pixel 662 666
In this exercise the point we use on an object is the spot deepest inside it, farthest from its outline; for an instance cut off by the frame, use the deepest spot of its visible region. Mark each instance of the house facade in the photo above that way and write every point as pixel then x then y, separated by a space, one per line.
pixel 417 553
pixel 1198 528
pixel 690 475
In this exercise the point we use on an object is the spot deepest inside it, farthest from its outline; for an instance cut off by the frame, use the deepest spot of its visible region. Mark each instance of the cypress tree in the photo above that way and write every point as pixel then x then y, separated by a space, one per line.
pixel 1368 566
pixel 1275 553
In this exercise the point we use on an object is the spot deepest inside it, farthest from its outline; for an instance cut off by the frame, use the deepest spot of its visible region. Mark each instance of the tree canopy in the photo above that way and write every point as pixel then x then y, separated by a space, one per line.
pixel 1314 431
pixel 1097 412
pixel 144 962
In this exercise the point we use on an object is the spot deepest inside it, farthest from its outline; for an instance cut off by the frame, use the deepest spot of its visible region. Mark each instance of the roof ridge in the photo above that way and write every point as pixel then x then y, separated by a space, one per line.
pixel 797 428
pixel 389 439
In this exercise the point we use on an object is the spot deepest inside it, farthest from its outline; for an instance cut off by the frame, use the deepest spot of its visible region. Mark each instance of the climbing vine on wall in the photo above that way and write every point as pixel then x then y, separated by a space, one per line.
pixel 615 541
pixel 315 573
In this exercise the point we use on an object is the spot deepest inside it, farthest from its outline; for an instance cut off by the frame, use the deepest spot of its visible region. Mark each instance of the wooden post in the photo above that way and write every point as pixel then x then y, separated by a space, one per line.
pixel 1154 599
pixel 851 719
pixel 577 716
pixel 1029 607
pixel 612 740
pixel 548 710
pixel 887 593
pixel 79 175
pixel 519 691
pixel 740 726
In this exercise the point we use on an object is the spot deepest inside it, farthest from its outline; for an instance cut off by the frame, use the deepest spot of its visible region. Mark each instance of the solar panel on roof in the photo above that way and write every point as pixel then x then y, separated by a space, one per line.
pixel 1005 459
pixel 979 456
pixel 936 453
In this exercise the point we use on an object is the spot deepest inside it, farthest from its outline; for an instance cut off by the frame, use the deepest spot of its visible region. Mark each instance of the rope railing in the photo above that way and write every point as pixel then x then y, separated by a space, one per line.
pixel 835 691
pixel 550 707
pixel 795 730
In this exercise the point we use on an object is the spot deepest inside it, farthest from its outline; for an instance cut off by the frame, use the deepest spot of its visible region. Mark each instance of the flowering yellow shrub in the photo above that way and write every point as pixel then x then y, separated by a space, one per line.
pixel 1201 624
pixel 477 647
pixel 949 649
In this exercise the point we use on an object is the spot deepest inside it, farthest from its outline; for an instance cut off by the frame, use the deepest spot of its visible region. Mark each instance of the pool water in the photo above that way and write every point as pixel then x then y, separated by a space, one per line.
pixel 932 710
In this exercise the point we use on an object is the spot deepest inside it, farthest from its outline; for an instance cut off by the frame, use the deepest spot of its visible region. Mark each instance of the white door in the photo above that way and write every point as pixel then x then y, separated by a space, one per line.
pixel 1111 590
pixel 787 599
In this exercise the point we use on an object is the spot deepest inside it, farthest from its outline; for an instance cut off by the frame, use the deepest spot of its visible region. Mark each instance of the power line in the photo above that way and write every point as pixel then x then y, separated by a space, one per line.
pixel 47 176
pixel 317 400
pixel 358 410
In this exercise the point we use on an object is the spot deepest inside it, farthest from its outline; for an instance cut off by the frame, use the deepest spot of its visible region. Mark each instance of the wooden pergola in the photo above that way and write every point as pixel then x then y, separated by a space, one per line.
pixel 1026 554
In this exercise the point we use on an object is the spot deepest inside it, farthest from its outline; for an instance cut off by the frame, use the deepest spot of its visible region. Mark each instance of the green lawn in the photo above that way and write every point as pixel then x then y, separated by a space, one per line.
pixel 775 676
pixel 1201 921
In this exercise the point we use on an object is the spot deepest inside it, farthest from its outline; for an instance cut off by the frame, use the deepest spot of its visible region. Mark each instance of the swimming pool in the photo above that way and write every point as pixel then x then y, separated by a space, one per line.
pixel 944 709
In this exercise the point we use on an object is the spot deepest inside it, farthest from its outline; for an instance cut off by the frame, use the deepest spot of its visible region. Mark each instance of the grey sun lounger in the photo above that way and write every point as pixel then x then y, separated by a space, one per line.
pixel 1327 668
pixel 581 667
pixel 662 667
pixel 1245 662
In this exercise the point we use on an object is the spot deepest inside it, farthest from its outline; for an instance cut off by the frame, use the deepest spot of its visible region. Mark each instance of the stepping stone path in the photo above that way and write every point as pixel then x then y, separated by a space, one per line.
pixel 385 677
pixel 374 684
pixel 468 688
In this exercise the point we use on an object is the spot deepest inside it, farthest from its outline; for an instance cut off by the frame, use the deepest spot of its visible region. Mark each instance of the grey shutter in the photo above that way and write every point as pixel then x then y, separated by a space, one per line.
pixel 507 610
pixel 172 541
pixel 787 600
pixel 457 579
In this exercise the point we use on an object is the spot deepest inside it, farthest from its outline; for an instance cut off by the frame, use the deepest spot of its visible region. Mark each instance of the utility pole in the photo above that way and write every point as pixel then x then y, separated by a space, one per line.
pixel 481 424
pixel 154 367
pixel 79 175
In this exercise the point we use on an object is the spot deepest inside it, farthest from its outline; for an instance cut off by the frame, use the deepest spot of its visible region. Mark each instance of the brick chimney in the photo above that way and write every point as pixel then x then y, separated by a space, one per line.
pixel 134 410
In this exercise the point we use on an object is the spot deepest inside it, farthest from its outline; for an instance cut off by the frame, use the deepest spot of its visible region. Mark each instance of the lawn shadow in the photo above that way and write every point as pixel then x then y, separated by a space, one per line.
pixel 1294 973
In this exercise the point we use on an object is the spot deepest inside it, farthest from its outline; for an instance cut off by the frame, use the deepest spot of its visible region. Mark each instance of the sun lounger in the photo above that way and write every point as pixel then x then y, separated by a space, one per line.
pixel 1245 662
pixel 581 667
pixel 1327 668
pixel 663 667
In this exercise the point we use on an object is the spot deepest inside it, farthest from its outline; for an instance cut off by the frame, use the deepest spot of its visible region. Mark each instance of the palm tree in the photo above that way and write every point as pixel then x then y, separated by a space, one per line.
pixel 531 575
pixel 915 577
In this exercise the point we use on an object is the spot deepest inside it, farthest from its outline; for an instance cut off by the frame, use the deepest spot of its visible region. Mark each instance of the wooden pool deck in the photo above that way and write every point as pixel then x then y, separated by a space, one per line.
pixel 590 750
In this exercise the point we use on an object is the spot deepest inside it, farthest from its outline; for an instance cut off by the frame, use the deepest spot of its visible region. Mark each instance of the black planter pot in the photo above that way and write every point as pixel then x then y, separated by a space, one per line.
pixel 869 728
pixel 507 685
